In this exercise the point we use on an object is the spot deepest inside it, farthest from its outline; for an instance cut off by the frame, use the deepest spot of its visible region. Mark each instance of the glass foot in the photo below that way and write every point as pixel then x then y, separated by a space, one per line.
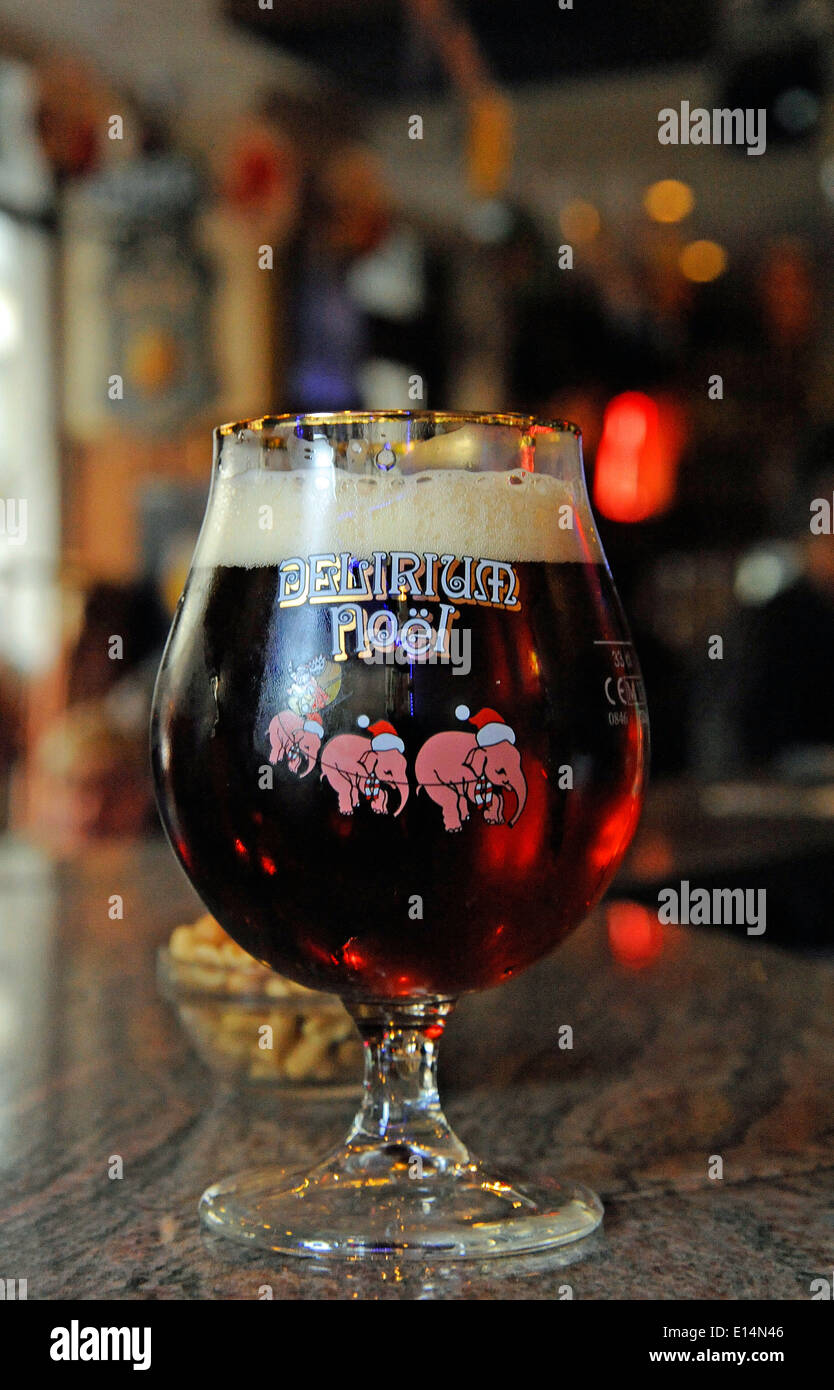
pixel 397 1200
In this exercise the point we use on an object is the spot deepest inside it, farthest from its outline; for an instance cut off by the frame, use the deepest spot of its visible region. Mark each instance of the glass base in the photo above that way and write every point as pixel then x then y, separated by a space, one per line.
pixel 396 1200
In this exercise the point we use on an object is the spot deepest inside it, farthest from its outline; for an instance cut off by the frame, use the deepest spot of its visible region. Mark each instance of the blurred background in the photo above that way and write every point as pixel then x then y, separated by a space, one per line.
pixel 223 208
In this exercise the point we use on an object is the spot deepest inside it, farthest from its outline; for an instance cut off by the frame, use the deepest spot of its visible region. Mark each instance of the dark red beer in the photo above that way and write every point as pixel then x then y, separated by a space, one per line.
pixel 395 903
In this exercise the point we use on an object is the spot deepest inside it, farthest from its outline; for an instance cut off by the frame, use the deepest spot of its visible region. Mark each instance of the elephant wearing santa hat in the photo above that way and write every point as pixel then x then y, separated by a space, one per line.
pixel 366 765
pixel 295 738
pixel 458 769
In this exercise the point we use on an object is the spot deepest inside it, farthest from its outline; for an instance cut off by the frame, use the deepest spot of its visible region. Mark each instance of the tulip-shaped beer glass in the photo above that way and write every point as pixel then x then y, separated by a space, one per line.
pixel 399 741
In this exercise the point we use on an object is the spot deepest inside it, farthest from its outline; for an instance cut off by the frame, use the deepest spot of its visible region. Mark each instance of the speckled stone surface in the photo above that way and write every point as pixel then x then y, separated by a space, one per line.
pixel 720 1047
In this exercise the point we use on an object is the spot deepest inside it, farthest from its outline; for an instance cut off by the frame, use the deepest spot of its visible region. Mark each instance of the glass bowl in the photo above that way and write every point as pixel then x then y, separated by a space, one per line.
pixel 248 1024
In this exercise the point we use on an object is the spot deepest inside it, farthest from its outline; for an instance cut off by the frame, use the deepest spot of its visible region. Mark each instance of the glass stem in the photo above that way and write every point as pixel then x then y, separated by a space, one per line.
pixel 400 1110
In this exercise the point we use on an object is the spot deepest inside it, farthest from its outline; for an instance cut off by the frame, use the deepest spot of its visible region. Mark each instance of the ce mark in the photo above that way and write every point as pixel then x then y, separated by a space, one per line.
pixel 627 687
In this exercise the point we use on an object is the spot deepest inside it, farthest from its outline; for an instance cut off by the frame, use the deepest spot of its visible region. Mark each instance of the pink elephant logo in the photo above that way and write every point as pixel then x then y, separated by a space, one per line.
pixel 368 766
pixel 295 739
pixel 458 770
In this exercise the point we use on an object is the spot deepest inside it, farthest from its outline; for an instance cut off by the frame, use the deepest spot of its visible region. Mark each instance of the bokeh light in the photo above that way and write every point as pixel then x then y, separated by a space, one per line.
pixel 669 200
pixel 635 936
pixel 637 459
pixel 702 261
pixel 579 221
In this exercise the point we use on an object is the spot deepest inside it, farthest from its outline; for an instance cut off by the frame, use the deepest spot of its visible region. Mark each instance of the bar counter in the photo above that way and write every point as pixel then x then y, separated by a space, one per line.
pixel 706 1046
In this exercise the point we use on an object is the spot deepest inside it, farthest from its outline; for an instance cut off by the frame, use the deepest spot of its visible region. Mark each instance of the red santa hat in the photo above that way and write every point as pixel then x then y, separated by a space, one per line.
pixel 313 725
pixel 384 738
pixel 491 727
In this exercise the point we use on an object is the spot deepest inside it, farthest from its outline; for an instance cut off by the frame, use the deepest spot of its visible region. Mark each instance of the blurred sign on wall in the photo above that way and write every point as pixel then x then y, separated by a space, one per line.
pixel 136 300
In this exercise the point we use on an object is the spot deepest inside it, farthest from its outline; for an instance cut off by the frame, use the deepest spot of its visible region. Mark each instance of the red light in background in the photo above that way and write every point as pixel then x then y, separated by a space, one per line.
pixel 634 934
pixel 637 460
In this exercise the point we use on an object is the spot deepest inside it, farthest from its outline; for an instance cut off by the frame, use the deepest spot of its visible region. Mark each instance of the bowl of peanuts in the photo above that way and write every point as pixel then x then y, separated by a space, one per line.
pixel 249 1024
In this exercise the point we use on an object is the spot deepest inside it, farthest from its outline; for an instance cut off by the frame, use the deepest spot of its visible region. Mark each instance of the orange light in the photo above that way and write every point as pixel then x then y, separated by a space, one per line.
pixel 702 261
pixel 490 144
pixel 637 459
pixel 669 200
pixel 579 221
pixel 634 934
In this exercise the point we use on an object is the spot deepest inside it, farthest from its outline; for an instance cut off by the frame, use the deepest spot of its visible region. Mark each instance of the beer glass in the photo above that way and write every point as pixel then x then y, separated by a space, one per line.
pixel 399 739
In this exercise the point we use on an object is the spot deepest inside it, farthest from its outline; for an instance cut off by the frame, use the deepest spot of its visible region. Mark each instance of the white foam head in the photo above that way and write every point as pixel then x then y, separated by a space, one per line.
pixel 260 517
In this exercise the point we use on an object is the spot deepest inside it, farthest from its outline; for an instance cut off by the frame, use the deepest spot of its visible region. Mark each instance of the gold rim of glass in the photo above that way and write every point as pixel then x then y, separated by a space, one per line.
pixel 364 417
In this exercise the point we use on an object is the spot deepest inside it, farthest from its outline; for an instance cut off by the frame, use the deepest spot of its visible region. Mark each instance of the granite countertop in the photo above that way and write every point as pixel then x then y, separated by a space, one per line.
pixel 718 1047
